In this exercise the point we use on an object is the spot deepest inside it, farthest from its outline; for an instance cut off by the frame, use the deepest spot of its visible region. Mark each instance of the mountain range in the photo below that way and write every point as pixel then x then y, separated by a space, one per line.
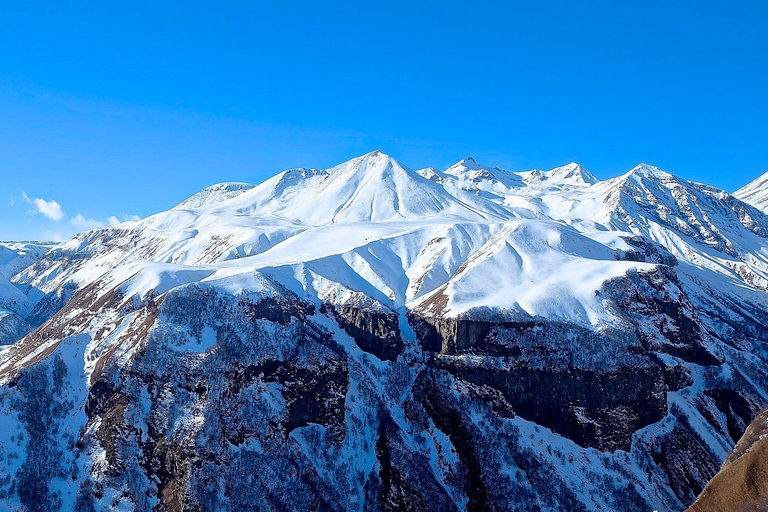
pixel 372 337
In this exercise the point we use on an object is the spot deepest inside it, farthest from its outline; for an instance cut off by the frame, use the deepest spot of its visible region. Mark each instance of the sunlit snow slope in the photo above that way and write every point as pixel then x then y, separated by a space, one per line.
pixel 755 192
pixel 373 225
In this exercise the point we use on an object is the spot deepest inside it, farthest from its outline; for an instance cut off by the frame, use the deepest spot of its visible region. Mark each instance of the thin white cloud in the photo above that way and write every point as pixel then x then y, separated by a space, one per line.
pixel 53 236
pixel 81 222
pixel 51 209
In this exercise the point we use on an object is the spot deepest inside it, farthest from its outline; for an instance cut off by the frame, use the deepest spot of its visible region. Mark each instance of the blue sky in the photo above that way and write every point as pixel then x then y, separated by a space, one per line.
pixel 119 109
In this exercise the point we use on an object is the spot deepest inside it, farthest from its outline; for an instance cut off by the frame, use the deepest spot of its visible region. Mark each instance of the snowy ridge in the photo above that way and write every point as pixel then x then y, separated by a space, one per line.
pixel 404 234
pixel 755 192
pixel 214 194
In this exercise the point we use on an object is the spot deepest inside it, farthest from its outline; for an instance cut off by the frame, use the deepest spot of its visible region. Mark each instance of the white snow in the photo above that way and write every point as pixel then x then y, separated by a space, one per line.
pixel 532 244
pixel 755 192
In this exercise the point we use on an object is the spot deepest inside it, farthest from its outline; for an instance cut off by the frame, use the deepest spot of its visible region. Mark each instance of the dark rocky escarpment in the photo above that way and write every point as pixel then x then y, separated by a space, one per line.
pixel 375 332
pixel 276 310
pixel 312 395
pixel 646 251
pixel 406 483
pixel 729 405
pixel 599 409
pixel 450 335
pixel 595 388
pixel 449 406
pixel 450 420
pixel 243 400
pixel 204 400
pixel 663 316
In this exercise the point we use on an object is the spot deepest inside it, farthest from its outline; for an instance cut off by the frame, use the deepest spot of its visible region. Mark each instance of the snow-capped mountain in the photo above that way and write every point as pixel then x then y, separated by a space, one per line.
pixel 755 192
pixel 369 337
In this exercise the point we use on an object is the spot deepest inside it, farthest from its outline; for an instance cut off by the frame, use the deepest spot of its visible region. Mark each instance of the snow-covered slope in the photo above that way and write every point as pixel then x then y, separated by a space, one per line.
pixel 755 192
pixel 15 304
pixel 214 194
pixel 368 337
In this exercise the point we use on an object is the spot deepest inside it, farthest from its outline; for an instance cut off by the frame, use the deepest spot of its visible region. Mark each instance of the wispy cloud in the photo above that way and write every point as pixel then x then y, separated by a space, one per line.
pixel 83 223
pixel 53 236
pixel 51 209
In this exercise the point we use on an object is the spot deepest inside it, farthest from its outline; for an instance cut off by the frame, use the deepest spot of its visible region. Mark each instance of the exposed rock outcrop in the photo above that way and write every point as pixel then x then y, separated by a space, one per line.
pixel 741 485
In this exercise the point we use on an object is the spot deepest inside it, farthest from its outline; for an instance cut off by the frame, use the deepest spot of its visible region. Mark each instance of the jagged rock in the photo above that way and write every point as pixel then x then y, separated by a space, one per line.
pixel 374 332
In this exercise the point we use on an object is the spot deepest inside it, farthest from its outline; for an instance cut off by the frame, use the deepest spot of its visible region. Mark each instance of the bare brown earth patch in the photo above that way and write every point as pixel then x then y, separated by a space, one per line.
pixel 742 483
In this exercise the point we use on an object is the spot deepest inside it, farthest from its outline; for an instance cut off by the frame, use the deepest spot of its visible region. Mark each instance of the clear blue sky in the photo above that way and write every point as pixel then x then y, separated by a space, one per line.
pixel 126 108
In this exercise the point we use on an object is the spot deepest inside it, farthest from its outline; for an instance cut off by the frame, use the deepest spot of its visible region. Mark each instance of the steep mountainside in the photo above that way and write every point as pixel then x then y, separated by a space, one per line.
pixel 755 192
pixel 15 304
pixel 369 337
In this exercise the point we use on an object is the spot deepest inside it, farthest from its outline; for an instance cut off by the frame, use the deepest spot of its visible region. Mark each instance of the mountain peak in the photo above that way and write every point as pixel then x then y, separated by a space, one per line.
pixel 326 322
pixel 373 187
pixel 571 174
pixel 649 171
pixel 374 159
pixel 466 164
pixel 471 166
pixel 376 154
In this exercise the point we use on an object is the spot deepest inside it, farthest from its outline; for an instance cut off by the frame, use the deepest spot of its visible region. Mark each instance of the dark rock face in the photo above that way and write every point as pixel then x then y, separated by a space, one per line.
pixel 685 444
pixel 276 310
pixel 374 332
pixel 240 401
pixel 449 419
pixel 449 335
pixel 594 409
pixel 203 400
pixel 663 316
pixel 647 252
pixel 401 487
pixel 732 406
pixel 598 397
